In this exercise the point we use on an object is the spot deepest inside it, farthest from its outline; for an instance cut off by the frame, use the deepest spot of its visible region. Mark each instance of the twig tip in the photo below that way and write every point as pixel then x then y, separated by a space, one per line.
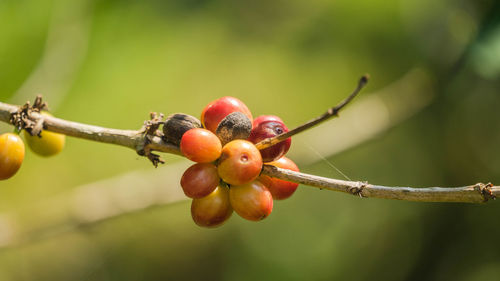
pixel 364 79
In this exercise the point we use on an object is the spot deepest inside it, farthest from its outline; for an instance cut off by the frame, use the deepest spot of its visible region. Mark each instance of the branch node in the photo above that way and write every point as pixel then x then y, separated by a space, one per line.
pixel 485 191
pixel 358 189
pixel 151 126
pixel 21 119
pixel 37 128
pixel 149 130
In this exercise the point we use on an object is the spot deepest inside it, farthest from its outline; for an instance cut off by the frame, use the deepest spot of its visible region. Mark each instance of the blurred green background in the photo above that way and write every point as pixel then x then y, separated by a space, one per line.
pixel 100 212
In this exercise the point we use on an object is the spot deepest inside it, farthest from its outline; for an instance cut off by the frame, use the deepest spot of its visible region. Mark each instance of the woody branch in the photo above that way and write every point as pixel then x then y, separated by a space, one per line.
pixel 141 140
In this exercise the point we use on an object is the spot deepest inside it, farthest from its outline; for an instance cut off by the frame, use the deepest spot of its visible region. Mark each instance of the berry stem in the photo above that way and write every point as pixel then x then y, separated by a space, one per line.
pixel 331 112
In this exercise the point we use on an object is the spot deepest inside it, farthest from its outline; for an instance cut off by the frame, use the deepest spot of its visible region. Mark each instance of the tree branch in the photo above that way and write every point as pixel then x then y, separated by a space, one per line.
pixel 129 138
pixel 331 112
pixel 477 193
pixel 138 141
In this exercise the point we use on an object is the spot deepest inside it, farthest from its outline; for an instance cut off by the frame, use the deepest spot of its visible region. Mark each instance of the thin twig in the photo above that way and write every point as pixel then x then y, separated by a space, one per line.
pixel 477 193
pixel 331 112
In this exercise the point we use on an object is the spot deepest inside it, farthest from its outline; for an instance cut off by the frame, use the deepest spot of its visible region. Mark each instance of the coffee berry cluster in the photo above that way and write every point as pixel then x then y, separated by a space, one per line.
pixel 226 175
pixel 12 148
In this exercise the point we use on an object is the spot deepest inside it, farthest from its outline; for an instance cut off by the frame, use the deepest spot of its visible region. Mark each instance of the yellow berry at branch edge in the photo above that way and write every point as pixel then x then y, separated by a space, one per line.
pixel 11 154
pixel 48 144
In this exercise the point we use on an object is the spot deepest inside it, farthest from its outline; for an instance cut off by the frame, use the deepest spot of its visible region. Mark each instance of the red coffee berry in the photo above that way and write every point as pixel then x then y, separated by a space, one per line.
pixel 267 128
pixel 217 110
pixel 212 210
pixel 280 189
pixel 252 201
pixel 199 180
pixel 265 118
pixel 200 145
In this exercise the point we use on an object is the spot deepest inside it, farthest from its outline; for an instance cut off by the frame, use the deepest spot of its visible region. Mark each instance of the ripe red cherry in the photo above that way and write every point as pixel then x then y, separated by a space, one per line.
pixel 252 201
pixel 200 180
pixel 200 145
pixel 11 155
pixel 265 118
pixel 240 162
pixel 215 111
pixel 280 189
pixel 212 210
pixel 270 128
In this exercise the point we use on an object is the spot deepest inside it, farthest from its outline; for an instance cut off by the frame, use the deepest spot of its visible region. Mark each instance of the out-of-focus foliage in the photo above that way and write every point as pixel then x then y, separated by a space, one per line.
pixel 110 63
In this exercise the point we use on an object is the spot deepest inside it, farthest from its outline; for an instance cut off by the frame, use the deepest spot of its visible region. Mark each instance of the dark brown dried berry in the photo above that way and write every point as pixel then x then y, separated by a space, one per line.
pixel 176 125
pixel 234 126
